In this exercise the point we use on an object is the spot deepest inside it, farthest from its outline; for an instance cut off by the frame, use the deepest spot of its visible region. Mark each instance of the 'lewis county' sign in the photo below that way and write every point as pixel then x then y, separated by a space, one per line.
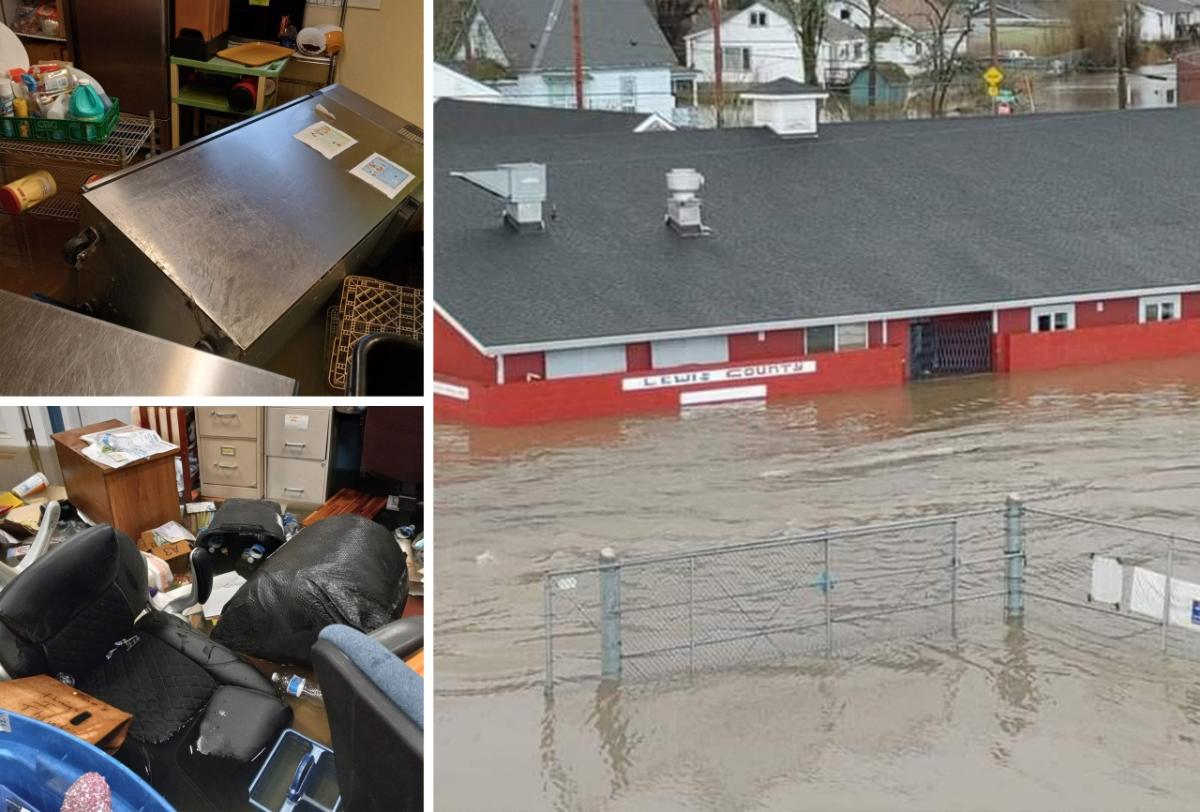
pixel 747 372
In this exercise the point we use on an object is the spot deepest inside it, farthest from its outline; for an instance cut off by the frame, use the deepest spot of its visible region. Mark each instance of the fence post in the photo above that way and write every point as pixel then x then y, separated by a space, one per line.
pixel 1014 548
pixel 1166 618
pixel 828 602
pixel 954 579
pixel 610 615
pixel 691 614
pixel 548 612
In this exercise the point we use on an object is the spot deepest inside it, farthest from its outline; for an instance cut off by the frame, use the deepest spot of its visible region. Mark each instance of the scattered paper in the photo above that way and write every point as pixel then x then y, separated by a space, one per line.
pixel 224 587
pixel 170 533
pixel 387 176
pixel 122 445
pixel 200 507
pixel 325 139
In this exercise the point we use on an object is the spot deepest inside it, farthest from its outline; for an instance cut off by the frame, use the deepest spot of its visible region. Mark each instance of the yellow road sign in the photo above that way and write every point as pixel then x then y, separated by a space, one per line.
pixel 993 90
pixel 993 76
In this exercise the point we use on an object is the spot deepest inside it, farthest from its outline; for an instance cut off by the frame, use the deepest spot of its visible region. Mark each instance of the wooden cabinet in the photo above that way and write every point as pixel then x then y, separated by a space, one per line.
pixel 298 444
pixel 136 497
pixel 231 451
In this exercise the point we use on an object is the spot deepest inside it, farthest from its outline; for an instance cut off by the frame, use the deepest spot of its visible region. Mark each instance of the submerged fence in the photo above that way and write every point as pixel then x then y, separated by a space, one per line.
pixel 836 590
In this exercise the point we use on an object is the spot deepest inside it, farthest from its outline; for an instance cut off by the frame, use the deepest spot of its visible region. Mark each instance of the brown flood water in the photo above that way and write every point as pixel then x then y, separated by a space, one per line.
pixel 1044 717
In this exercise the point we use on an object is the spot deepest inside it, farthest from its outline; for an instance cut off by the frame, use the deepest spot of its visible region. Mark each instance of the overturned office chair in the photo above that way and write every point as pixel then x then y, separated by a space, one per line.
pixel 79 612
pixel 376 713
pixel 37 547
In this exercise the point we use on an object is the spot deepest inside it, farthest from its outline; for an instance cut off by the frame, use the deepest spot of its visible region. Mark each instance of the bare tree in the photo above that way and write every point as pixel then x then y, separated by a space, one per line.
pixel 808 23
pixel 947 25
pixel 451 18
pixel 676 19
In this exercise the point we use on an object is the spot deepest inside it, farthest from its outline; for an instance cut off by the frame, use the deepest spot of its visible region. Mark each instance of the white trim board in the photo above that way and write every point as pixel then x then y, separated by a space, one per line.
pixel 793 324
pixel 758 392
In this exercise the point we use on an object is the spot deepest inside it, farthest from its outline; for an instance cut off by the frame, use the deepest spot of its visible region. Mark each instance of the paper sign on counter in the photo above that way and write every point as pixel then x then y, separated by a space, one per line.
pixel 325 139
pixel 387 176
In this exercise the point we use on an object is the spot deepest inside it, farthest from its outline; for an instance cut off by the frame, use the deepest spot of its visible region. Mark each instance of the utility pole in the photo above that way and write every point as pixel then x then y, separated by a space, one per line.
pixel 1122 88
pixel 577 48
pixel 714 10
pixel 992 34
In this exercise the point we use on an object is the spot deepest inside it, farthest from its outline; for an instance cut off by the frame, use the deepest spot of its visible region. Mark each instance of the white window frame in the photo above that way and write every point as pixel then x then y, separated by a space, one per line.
pixel 839 346
pixel 744 64
pixel 1052 310
pixel 1175 300
pixel 704 349
pixel 758 19
pixel 584 361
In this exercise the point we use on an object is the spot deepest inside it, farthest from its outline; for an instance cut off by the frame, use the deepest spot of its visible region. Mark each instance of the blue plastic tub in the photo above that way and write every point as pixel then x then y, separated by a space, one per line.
pixel 38 763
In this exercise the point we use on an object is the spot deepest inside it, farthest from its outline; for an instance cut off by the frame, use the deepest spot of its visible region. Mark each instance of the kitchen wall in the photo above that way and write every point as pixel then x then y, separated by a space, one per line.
pixel 384 53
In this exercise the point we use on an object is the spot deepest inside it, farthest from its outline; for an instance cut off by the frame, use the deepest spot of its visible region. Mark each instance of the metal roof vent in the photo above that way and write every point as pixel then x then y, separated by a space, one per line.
pixel 683 206
pixel 521 186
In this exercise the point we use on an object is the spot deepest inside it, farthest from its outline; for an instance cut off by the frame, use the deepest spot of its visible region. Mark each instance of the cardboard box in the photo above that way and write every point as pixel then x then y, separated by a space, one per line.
pixel 48 700
pixel 176 555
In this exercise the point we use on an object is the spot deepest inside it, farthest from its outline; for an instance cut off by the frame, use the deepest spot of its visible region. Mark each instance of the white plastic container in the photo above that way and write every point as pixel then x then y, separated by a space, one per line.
pixel 7 95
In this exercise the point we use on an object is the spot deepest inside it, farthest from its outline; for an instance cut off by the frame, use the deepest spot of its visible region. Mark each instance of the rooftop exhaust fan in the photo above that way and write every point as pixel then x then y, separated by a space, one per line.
pixel 683 206
pixel 521 186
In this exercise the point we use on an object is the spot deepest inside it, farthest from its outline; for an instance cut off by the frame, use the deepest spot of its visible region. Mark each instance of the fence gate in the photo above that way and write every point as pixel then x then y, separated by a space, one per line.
pixel 951 345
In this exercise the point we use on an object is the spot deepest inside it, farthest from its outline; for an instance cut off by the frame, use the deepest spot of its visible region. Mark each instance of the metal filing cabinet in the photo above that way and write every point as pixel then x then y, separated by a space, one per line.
pixel 231 451
pixel 297 449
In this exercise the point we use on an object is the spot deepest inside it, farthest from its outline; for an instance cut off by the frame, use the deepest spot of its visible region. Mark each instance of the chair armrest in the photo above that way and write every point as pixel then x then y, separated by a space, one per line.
pixel 401 637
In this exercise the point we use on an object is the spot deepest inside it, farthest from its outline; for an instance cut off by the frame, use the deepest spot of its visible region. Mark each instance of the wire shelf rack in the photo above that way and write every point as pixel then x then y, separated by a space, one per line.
pixel 131 135
pixel 369 306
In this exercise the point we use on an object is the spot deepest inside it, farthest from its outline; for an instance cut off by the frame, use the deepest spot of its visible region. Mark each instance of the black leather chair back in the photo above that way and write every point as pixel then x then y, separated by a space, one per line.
pixel 63 614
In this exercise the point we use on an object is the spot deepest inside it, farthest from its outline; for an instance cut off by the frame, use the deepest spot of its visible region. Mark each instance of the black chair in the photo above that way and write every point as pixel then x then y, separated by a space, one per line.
pixel 376 715
pixel 386 364
pixel 76 612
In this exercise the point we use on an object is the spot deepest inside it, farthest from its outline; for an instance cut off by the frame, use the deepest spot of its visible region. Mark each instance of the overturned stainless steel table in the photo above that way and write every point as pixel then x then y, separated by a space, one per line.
pixel 235 240
pixel 46 350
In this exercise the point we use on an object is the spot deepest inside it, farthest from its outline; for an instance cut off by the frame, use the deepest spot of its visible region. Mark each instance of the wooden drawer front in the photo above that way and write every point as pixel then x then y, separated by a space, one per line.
pixel 229 462
pixel 227 421
pixel 296 480
pixel 301 434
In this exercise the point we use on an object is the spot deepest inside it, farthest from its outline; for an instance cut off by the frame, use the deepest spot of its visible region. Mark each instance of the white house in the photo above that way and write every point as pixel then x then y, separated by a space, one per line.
pixel 450 84
pixel 627 62
pixel 758 44
pixel 1166 20
pixel 909 43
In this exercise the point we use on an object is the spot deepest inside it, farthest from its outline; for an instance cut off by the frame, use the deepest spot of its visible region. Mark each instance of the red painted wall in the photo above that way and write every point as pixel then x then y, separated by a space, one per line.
pixel 775 344
pixel 518 368
pixel 1190 305
pixel 1101 345
pixel 1013 321
pixel 1116 311
pixel 454 356
pixel 601 395
pixel 875 334
pixel 1189 77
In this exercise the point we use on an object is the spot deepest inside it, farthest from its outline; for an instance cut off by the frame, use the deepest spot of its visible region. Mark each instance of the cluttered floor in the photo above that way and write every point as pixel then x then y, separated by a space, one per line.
pixel 236 655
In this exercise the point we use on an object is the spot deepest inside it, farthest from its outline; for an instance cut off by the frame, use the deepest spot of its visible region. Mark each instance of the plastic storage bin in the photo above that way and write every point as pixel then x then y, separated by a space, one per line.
pixel 55 129
pixel 299 775
pixel 38 764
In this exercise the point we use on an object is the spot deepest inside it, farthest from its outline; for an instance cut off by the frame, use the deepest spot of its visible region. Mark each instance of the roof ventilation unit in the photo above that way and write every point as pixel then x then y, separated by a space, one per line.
pixel 521 186
pixel 787 107
pixel 683 206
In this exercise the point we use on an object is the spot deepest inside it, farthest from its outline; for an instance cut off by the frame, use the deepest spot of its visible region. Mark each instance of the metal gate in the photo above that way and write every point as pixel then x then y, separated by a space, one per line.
pixel 951 345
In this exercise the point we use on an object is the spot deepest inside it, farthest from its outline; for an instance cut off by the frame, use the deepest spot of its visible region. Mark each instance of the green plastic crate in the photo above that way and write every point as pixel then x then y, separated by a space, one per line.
pixel 56 129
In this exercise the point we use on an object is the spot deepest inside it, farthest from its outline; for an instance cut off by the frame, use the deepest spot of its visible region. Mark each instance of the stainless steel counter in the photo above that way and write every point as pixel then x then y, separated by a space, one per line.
pixel 45 350
pixel 237 238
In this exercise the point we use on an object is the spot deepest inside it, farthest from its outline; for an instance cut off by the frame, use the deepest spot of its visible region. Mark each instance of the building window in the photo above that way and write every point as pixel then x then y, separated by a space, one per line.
pixel 1052 318
pixel 1170 97
pixel 919 48
pixel 629 93
pixel 585 361
pixel 820 339
pixel 735 59
pixel 852 336
pixel 1160 308
pixel 677 352
pixel 758 19
pixel 858 50
pixel 844 14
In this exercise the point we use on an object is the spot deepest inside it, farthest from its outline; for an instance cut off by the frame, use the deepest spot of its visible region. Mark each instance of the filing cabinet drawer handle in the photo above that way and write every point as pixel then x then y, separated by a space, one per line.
pixel 224 467
pixel 294 445
pixel 293 490
pixel 222 414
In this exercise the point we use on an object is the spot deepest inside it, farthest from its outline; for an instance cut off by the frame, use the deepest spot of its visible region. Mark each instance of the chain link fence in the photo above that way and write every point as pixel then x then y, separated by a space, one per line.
pixel 835 592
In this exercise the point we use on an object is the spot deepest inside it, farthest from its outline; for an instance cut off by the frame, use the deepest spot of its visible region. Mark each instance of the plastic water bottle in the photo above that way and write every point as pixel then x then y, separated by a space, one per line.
pixel 296 686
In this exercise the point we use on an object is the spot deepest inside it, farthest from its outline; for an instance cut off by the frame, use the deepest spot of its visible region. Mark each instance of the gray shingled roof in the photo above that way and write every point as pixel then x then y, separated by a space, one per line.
pixel 467 119
pixel 783 86
pixel 871 217
pixel 618 33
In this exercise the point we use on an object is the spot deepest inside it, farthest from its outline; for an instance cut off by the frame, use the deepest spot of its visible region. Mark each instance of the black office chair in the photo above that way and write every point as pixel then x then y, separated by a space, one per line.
pixel 376 714
pixel 76 612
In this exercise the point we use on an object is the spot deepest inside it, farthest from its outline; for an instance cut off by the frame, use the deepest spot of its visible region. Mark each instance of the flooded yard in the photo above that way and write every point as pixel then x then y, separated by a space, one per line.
pixel 1056 713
